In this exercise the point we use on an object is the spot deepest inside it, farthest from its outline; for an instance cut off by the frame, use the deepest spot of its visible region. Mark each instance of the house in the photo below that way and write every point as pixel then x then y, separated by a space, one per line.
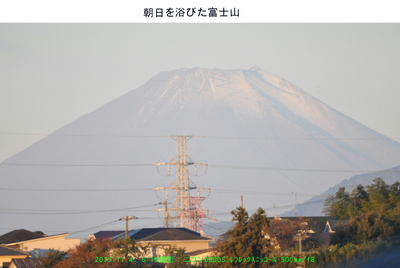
pixel 8 254
pixel 304 228
pixel 161 238
pixel 19 235
pixel 168 237
pixel 197 257
pixel 331 227
pixel 316 224
pixel 37 243
pixel 105 234
pixel 26 263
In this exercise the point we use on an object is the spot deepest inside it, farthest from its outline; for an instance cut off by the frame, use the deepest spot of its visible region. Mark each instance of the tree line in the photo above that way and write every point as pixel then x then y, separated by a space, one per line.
pixel 370 226
pixel 370 213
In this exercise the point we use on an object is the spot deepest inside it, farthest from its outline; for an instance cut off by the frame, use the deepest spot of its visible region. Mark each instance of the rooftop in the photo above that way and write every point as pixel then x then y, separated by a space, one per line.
pixel 19 235
pixel 107 234
pixel 154 234
pixel 7 251
pixel 27 263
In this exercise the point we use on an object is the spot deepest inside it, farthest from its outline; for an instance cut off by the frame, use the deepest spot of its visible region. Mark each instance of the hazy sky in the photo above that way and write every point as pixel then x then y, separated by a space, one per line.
pixel 53 73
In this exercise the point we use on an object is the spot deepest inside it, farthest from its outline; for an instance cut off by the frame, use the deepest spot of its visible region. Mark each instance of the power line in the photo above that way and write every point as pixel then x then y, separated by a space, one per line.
pixel 74 165
pixel 64 213
pixel 79 135
pixel 91 228
pixel 75 190
pixel 227 191
pixel 74 232
pixel 298 138
pixel 222 213
pixel 6 164
pixel 205 137
pixel 67 211
pixel 301 169
pixel 87 229
pixel 219 229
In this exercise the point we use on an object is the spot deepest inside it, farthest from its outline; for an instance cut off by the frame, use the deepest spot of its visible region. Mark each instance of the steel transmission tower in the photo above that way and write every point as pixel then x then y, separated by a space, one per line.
pixel 197 213
pixel 184 212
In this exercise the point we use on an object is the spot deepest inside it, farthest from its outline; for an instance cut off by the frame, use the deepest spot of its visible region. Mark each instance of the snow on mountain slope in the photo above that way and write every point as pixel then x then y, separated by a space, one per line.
pixel 258 132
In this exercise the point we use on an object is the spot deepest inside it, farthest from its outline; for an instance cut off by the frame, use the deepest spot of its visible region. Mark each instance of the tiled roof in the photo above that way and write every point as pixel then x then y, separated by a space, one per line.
pixel 332 225
pixel 27 263
pixel 200 251
pixel 18 236
pixel 7 251
pixel 160 234
pixel 107 234
pixel 316 224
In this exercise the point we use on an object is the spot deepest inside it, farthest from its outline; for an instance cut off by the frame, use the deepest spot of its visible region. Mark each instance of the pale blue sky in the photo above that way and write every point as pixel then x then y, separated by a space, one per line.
pixel 53 73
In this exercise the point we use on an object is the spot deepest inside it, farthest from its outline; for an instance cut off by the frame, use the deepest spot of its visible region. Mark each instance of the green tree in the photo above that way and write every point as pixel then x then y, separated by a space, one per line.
pixel 247 239
pixel 104 253
pixel 363 228
pixel 258 228
pixel 359 198
pixel 372 213
pixel 52 257
pixel 378 196
pixel 233 242
pixel 130 249
pixel 87 255
pixel 179 257
pixel 373 220
pixel 338 205
pixel 394 205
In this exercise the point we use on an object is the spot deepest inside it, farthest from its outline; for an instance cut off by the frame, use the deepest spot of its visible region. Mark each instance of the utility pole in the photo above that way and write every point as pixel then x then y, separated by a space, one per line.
pixel 300 238
pixel 165 203
pixel 301 234
pixel 127 218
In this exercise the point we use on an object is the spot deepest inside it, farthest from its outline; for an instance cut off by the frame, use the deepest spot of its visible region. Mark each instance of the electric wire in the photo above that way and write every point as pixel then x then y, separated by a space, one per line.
pixel 94 227
pixel 297 138
pixel 224 213
pixel 203 137
pixel 74 165
pixel 74 190
pixel 81 135
pixel 301 169
pixel 68 211
pixel 227 191
pixel 7 164
pixel 48 212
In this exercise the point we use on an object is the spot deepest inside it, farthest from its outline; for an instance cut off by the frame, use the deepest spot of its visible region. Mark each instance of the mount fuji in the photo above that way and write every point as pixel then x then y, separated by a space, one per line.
pixel 261 136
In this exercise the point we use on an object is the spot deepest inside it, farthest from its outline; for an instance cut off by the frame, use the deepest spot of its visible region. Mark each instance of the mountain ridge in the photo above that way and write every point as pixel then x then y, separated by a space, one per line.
pixel 316 204
pixel 305 146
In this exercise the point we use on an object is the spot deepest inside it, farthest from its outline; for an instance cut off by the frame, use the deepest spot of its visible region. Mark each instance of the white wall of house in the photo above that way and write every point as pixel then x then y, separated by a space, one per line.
pixel 8 259
pixel 57 242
